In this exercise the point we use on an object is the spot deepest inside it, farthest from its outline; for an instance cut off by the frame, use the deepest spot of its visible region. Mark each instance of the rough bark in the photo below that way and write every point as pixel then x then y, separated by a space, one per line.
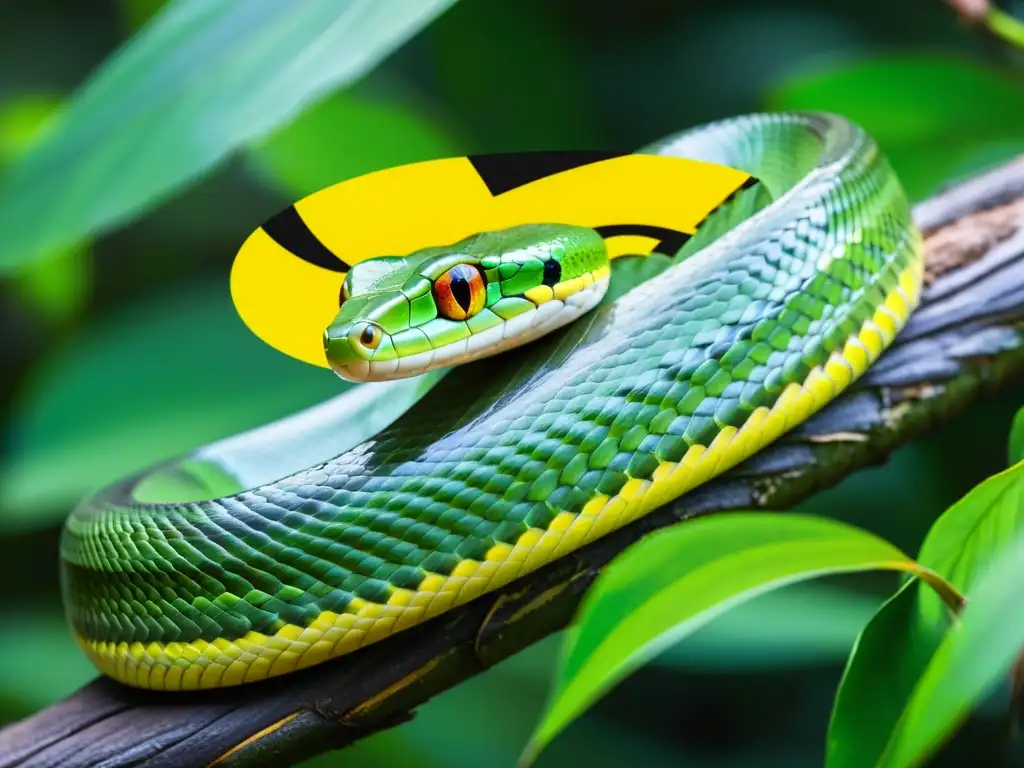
pixel 965 341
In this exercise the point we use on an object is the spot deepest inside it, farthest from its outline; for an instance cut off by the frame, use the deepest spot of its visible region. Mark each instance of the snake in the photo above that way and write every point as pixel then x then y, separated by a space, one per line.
pixel 516 402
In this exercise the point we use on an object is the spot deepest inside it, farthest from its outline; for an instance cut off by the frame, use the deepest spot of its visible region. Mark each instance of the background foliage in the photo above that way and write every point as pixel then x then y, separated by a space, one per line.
pixel 122 347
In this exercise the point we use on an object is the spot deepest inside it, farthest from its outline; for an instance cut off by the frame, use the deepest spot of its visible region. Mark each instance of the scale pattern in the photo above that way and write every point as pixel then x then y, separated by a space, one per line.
pixel 666 387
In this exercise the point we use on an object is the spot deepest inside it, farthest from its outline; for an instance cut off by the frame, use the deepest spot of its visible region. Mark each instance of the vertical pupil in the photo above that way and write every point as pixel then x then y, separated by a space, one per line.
pixel 460 287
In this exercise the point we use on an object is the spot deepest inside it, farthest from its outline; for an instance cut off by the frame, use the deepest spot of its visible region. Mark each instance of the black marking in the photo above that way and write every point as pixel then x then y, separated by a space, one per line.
pixel 552 272
pixel 749 183
pixel 669 240
pixel 506 171
pixel 459 286
pixel 289 231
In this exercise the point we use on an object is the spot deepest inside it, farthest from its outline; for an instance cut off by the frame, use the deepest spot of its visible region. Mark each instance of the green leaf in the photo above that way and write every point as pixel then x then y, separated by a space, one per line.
pixel 668 585
pixel 969 536
pixel 137 12
pixel 796 626
pixel 933 115
pixel 972 659
pixel 347 135
pixel 1017 438
pixel 198 81
pixel 58 284
pixel 888 659
pixel 156 378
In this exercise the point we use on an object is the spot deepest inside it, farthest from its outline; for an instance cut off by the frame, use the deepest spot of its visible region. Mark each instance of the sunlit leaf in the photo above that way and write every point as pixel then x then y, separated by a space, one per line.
pixel 198 81
pixel 972 659
pixel 934 115
pixel 1017 438
pixel 887 661
pixel 349 134
pixel 969 536
pixel 797 626
pixel 670 584
pixel 58 283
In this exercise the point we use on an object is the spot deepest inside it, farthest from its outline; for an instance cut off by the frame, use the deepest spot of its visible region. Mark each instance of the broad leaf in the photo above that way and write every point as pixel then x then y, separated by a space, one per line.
pixel 934 115
pixel 802 625
pixel 887 661
pixel 1017 438
pixel 347 135
pixel 670 584
pixel 972 659
pixel 201 79
pixel 969 536
pixel 139 385
pixel 56 285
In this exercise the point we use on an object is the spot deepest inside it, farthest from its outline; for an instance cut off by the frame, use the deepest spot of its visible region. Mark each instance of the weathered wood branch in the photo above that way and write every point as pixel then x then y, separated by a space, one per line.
pixel 966 340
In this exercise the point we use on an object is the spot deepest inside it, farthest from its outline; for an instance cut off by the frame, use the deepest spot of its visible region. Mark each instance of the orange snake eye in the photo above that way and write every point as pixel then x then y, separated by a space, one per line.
pixel 460 292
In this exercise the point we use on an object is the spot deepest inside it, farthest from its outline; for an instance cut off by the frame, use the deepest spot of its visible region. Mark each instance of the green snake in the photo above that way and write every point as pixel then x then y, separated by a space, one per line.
pixel 236 564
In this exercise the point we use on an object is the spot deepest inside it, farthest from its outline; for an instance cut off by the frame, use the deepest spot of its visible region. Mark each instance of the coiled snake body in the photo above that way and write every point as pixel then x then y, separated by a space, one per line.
pixel 786 294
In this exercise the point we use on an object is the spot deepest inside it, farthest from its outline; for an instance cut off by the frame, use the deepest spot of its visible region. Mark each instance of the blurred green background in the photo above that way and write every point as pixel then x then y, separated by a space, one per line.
pixel 125 350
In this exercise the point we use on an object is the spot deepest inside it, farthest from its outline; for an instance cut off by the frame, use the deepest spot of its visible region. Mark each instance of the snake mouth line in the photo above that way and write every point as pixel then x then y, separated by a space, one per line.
pixel 549 314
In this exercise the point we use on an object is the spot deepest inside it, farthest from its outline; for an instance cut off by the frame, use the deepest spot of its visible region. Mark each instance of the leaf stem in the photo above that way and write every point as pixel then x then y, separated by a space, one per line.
pixel 950 595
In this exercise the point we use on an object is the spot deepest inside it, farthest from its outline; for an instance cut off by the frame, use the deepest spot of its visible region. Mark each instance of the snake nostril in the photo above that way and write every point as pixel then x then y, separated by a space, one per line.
pixel 327 340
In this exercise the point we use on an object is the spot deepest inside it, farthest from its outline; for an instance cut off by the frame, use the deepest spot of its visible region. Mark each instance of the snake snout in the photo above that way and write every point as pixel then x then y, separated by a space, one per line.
pixel 350 347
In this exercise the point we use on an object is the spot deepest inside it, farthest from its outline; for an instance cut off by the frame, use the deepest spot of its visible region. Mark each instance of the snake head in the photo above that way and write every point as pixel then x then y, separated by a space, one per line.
pixel 404 315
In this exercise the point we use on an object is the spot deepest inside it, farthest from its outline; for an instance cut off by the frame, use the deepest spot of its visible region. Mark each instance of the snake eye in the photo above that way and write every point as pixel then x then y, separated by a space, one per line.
pixel 370 336
pixel 460 292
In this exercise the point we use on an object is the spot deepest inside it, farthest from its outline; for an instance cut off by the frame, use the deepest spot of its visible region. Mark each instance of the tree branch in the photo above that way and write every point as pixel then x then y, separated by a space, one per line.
pixel 966 340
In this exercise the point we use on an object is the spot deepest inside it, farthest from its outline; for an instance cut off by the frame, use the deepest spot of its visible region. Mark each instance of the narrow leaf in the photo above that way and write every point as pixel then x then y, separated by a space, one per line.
pixel 668 585
pixel 201 79
pixel 889 657
pixel 970 662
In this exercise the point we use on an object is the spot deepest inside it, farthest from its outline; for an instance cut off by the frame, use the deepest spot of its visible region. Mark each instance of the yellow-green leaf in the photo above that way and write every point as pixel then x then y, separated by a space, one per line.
pixel 969 536
pixel 675 581
pixel 888 659
pixel 197 82
pixel 1017 438
pixel 969 663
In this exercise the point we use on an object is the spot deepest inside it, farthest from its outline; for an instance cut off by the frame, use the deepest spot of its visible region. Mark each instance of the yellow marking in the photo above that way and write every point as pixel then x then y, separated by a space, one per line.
pixel 191 677
pixel 255 737
pixel 567 288
pixel 288 302
pixel 540 295
pixel 499 552
pixel 201 664
pixel 630 245
pixel 397 686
